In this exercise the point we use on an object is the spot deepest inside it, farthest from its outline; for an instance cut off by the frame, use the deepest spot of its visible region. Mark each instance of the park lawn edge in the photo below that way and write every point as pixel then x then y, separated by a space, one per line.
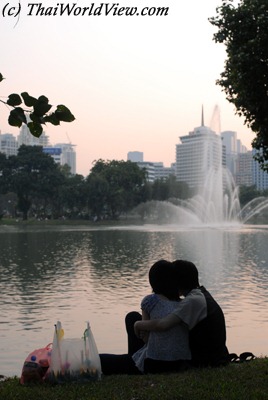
pixel 245 381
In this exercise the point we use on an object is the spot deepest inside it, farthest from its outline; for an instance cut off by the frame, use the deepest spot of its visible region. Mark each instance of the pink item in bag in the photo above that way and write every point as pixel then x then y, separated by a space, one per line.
pixel 36 365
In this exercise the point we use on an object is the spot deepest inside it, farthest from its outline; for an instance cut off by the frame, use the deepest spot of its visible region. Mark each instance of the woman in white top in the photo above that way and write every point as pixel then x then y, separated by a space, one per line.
pixel 162 351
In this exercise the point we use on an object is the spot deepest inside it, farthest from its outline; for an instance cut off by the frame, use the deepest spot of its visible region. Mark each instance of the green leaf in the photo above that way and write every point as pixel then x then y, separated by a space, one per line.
pixel 36 118
pixel 17 117
pixel 52 119
pixel 35 129
pixel 28 100
pixel 1 78
pixel 42 106
pixel 64 114
pixel 14 100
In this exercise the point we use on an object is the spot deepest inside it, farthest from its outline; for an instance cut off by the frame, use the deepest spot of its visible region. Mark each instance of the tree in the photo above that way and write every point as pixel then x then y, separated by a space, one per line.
pixel 33 176
pixel 37 112
pixel 248 193
pixel 4 171
pixel 115 187
pixel 244 31
pixel 72 195
pixel 160 190
pixel 164 189
pixel 3 180
pixel 97 193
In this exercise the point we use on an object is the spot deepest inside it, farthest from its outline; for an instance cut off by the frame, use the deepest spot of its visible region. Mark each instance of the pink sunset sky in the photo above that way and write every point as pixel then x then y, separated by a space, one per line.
pixel 134 83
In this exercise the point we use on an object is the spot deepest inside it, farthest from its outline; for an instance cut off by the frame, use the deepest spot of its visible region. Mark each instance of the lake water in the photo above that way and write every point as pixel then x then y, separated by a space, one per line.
pixel 76 274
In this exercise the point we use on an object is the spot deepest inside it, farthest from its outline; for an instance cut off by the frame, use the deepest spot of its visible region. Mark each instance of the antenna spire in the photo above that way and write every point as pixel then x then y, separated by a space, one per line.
pixel 202 116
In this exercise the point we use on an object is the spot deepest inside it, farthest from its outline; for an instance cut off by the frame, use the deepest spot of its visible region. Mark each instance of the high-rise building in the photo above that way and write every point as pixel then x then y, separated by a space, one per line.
pixel 149 168
pixel 234 162
pixel 62 153
pixel 68 155
pixel 25 137
pixel 198 152
pixel 162 172
pixel 229 140
pixel 240 147
pixel 244 165
pixel 8 144
pixel 54 152
pixel 259 176
pixel 135 156
pixel 156 170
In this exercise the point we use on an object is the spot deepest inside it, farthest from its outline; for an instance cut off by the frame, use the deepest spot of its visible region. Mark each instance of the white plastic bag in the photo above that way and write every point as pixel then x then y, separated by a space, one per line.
pixel 74 359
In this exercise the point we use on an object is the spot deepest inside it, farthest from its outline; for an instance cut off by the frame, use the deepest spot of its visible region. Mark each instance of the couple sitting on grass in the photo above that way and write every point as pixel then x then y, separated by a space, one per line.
pixel 172 334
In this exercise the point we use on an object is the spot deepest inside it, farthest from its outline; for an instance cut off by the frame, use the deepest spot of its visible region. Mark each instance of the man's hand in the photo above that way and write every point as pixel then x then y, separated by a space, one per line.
pixel 156 325
pixel 141 333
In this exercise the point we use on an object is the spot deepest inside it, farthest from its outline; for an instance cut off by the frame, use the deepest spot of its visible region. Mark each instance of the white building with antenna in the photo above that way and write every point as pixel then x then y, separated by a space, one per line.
pixel 198 152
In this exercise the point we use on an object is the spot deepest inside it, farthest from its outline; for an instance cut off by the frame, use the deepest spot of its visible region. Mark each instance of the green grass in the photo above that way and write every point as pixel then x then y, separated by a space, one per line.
pixel 246 381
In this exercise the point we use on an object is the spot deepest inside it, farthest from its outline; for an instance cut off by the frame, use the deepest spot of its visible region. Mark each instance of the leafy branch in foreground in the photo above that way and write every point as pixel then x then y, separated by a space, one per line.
pixel 38 111
pixel 243 28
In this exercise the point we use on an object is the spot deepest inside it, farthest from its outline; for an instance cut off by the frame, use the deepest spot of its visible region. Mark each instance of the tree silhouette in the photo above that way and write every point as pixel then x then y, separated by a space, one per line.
pixel 243 29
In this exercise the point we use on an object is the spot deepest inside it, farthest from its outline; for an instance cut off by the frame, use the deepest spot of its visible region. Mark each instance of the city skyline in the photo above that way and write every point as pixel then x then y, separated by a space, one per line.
pixel 46 142
pixel 133 83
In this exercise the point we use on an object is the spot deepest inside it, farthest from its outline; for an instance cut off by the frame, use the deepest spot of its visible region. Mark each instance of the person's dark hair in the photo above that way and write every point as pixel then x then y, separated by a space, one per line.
pixel 186 274
pixel 162 279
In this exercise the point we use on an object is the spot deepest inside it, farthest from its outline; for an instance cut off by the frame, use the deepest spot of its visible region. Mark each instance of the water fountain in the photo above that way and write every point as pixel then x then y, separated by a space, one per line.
pixel 216 204
pixel 216 201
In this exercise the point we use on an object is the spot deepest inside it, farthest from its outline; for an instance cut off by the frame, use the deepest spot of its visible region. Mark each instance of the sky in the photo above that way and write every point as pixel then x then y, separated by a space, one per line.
pixel 134 83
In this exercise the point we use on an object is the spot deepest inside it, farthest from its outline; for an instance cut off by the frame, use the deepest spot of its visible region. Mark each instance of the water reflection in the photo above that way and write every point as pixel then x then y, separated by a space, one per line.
pixel 76 275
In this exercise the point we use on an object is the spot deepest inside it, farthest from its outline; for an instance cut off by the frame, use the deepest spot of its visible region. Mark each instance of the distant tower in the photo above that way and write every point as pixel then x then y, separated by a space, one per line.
pixel 8 144
pixel 202 117
pixel 198 152
pixel 68 155
pixel 135 156
pixel 25 137
pixel 229 140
